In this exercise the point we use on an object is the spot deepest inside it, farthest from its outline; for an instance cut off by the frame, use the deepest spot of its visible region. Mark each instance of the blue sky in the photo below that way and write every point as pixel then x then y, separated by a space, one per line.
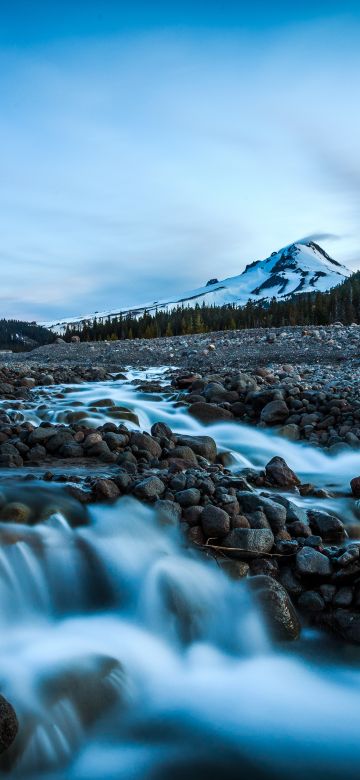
pixel 146 147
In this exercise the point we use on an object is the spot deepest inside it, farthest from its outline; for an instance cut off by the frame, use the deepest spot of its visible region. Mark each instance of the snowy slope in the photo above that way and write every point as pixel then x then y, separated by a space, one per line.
pixel 298 268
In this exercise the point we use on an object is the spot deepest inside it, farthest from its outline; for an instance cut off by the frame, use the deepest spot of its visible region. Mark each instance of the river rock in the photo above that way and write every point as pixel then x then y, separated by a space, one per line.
pixel 8 724
pixel 41 434
pixel 168 512
pixel 145 442
pixel 16 512
pixel 188 497
pixel 330 528
pixel 208 413
pixel 310 562
pixel 237 570
pixel 201 445
pixel 275 513
pixel 106 489
pixel 355 487
pixel 274 412
pixel 149 488
pixel 214 521
pixel 279 473
pixel 249 541
pixel 278 610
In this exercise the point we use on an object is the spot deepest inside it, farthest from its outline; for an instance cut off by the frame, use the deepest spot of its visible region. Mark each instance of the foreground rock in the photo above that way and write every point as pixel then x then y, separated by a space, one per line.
pixel 278 610
pixel 8 724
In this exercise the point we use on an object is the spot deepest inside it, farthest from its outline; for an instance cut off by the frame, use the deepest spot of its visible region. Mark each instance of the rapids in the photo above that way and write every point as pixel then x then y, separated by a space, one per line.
pixel 126 656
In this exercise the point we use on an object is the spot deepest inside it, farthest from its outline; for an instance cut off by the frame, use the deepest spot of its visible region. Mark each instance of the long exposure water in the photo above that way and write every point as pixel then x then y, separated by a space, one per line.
pixel 128 657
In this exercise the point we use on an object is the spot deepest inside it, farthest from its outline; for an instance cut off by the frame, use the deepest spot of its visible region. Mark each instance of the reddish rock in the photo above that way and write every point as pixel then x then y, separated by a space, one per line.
pixel 279 473
pixel 355 487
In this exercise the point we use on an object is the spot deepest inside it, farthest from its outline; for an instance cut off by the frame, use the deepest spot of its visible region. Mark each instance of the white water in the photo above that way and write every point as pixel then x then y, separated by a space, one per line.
pixel 127 657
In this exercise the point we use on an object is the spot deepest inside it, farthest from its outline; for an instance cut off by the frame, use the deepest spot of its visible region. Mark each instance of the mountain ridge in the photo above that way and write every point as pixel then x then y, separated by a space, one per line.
pixel 303 266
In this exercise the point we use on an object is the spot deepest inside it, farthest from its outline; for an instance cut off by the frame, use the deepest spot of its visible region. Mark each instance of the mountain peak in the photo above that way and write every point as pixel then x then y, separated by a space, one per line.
pixel 301 267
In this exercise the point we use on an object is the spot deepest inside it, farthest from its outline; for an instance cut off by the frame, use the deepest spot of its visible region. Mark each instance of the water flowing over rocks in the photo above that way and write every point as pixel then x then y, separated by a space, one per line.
pixel 248 514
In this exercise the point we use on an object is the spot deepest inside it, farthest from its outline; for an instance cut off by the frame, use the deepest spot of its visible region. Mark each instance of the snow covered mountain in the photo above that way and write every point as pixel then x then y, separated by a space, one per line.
pixel 297 268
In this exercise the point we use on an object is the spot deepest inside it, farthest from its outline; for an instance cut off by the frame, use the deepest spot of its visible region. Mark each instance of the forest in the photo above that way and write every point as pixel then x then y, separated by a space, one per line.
pixel 342 304
pixel 19 336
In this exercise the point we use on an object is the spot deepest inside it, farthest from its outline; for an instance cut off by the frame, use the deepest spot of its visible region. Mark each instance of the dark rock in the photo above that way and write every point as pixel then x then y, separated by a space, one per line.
pixel 8 724
pixel 71 450
pixel 188 497
pixel 343 597
pixel 330 528
pixel 168 512
pixel 214 521
pixel 311 601
pixel 347 624
pixel 249 541
pixel 161 430
pixel 149 488
pixel 275 513
pixel 201 445
pixel 311 563
pixel 274 412
pixel 237 570
pixel 184 453
pixel 355 487
pixel 192 514
pixel 278 473
pixel 277 607
pixel 41 435
pixel 208 414
pixel 145 442
pixel 106 489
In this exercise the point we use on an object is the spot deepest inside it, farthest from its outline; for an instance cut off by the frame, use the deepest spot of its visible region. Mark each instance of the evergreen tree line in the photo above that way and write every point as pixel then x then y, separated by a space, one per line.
pixel 22 336
pixel 342 303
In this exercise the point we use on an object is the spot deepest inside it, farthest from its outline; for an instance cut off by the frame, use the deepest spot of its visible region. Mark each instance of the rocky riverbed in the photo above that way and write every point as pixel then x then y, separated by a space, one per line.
pixel 253 465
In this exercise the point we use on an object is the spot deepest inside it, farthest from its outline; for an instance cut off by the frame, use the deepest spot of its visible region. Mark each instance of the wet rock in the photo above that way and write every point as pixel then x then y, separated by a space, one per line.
pixel 311 601
pixel 168 512
pixel 343 597
pixel 149 488
pixel 9 455
pixel 312 563
pixel 188 497
pixel 276 606
pixel 16 512
pixel 92 440
pixel 145 442
pixel 162 430
pixel 8 724
pixel 274 412
pixel 214 521
pixel 37 453
pixel 41 435
pixel 185 454
pixel 71 450
pixel 355 487
pixel 201 445
pixel 275 513
pixel 192 515
pixel 62 436
pixel 106 489
pixel 290 581
pixel 249 541
pixel 347 624
pixel 290 431
pixel 237 570
pixel 330 528
pixel 208 413
pixel 279 473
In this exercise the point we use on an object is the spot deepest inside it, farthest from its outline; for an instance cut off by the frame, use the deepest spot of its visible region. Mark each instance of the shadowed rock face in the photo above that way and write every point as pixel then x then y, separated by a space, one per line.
pixel 8 724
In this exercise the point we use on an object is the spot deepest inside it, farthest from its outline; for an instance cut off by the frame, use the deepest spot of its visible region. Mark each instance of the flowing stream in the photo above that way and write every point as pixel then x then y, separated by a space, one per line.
pixel 128 657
